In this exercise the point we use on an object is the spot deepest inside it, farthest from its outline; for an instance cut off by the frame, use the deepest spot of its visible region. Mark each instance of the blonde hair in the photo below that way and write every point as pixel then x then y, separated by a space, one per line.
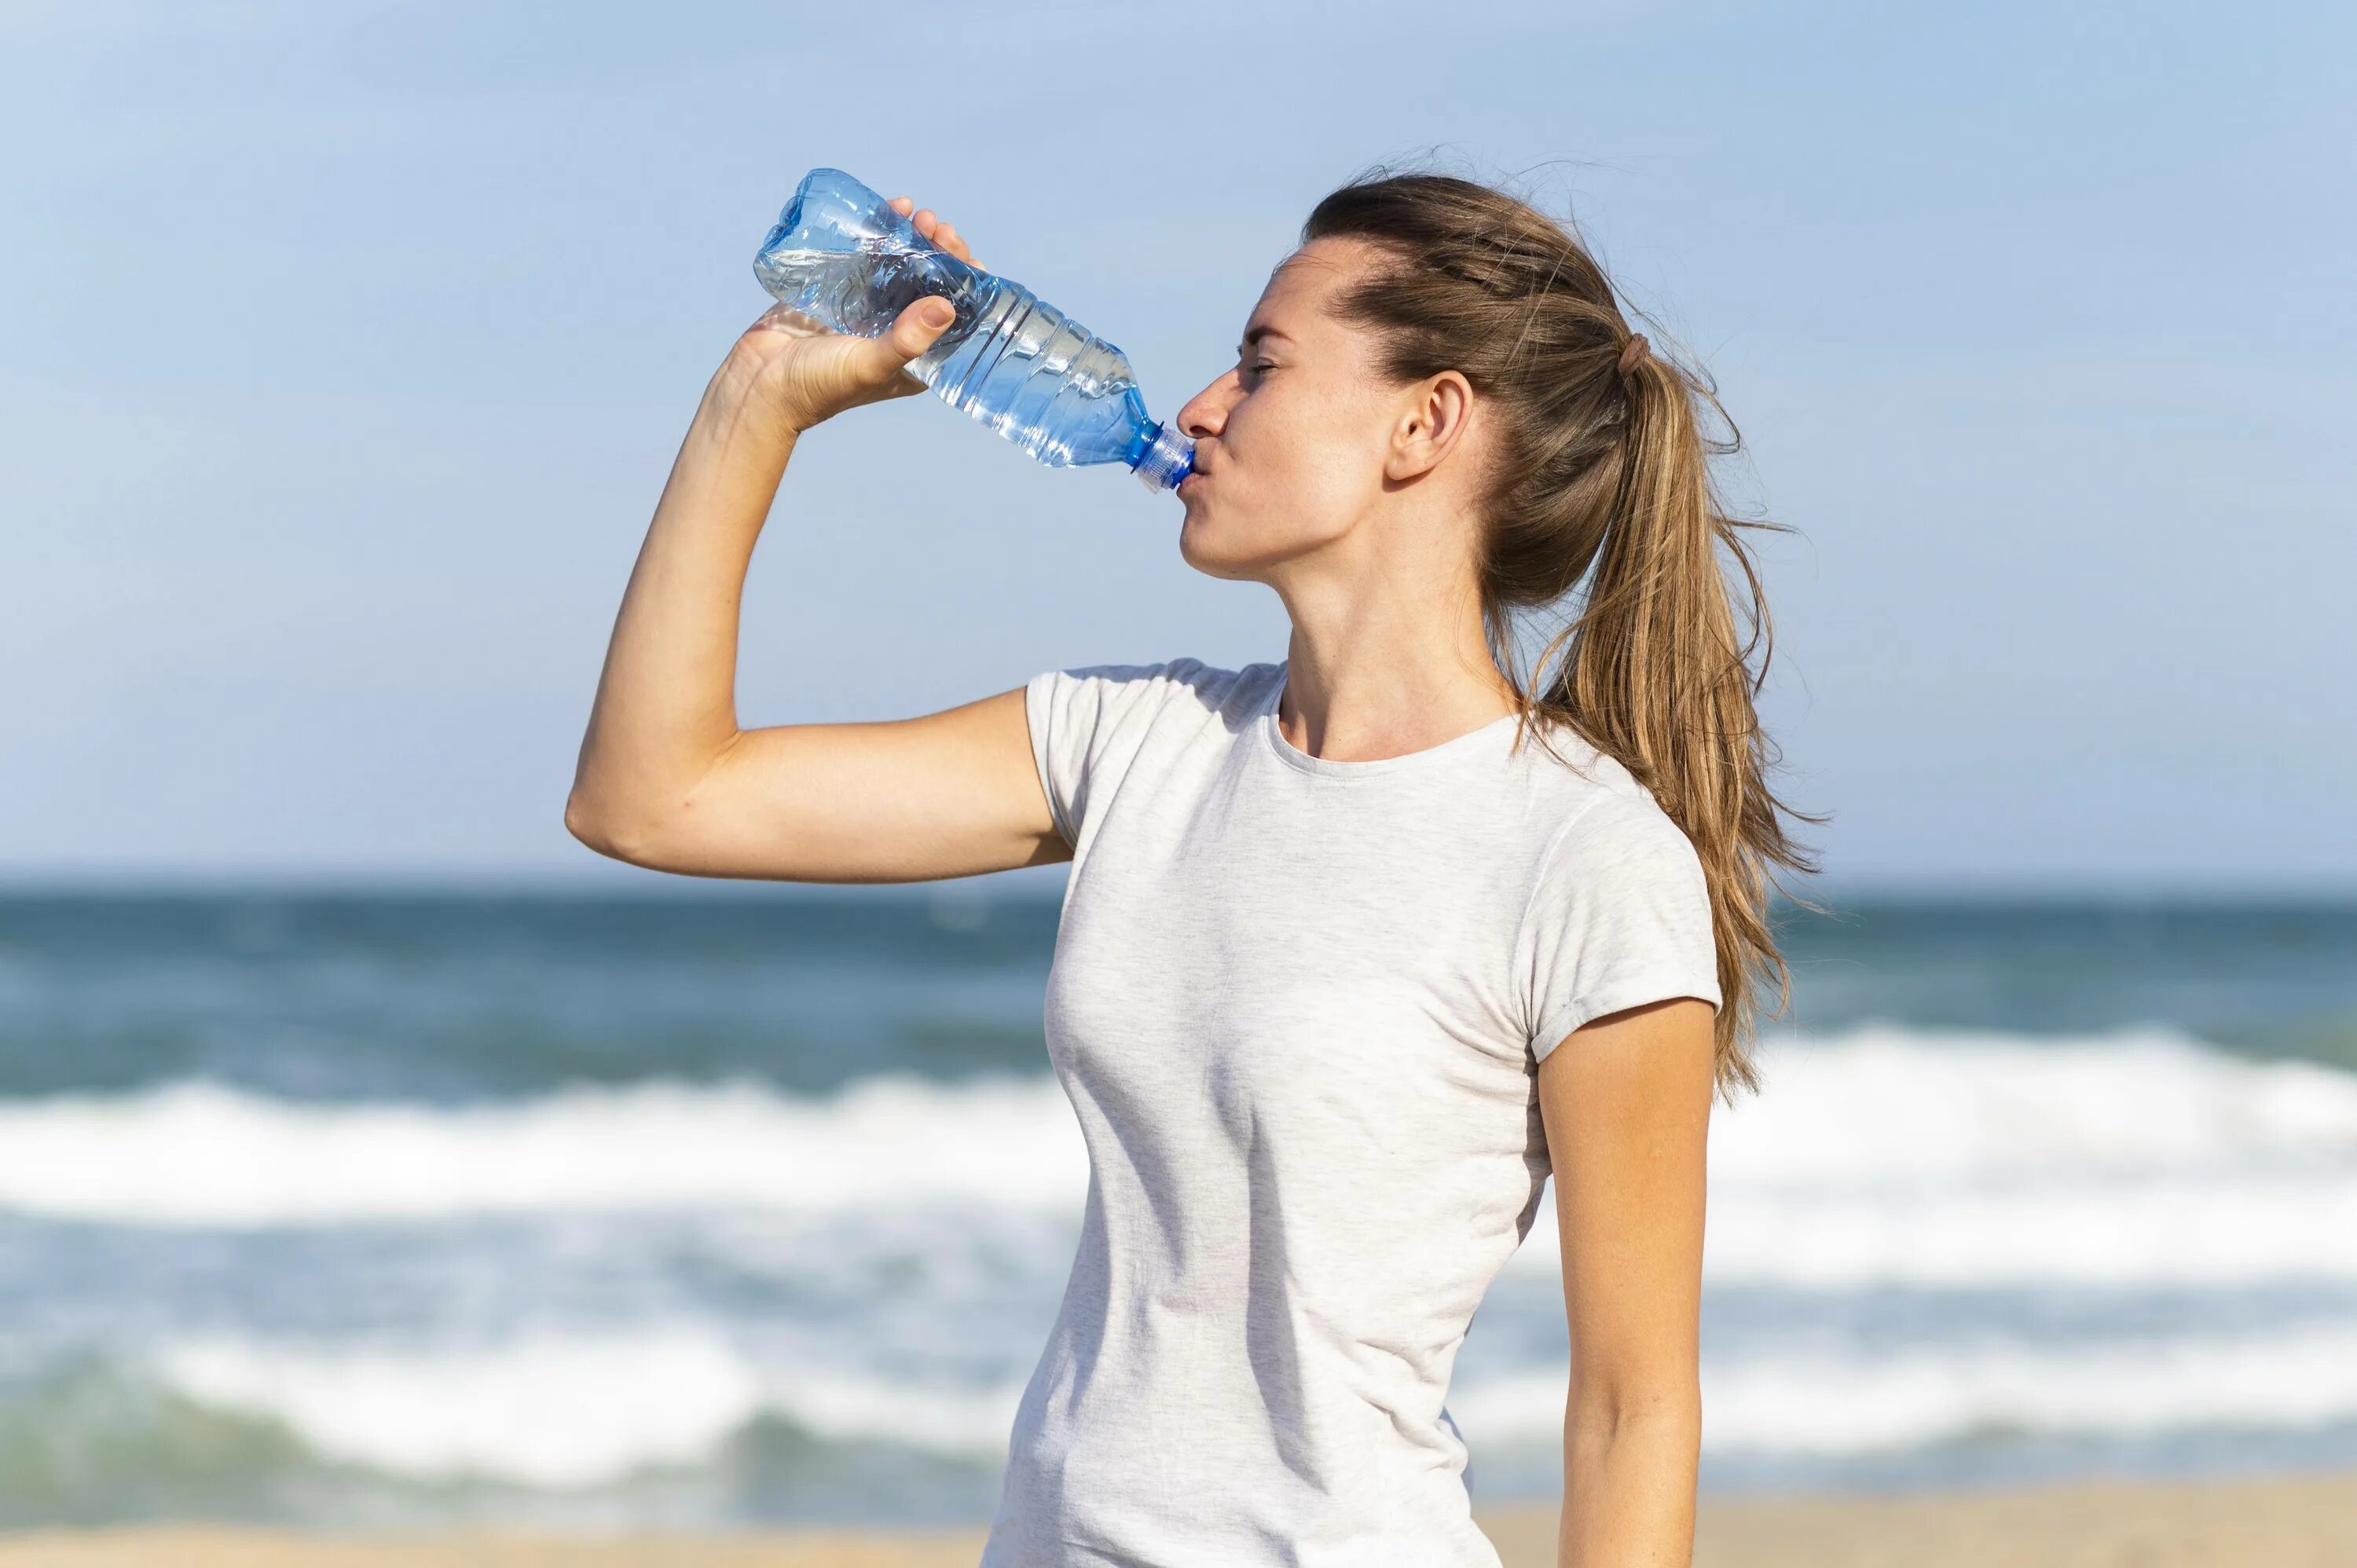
pixel 1602 474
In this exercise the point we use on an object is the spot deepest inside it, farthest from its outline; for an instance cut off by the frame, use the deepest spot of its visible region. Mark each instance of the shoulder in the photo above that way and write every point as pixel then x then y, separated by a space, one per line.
pixel 1621 840
pixel 1107 692
pixel 1091 723
pixel 1589 815
pixel 1619 912
pixel 1090 712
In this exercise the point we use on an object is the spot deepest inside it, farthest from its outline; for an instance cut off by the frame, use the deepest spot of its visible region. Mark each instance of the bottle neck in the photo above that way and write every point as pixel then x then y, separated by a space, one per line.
pixel 1164 458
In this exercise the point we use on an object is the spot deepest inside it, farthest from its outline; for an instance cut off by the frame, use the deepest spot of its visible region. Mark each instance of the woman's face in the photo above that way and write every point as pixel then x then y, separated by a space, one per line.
pixel 1289 445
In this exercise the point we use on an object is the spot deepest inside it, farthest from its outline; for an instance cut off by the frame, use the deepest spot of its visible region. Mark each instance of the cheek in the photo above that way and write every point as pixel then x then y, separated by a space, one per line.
pixel 1308 450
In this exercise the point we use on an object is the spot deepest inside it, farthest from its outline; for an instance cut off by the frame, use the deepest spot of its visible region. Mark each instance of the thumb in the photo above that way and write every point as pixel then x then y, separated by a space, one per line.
pixel 915 329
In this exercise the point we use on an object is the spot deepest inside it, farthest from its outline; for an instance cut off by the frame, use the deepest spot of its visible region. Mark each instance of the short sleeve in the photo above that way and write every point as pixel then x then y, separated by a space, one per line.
pixel 1620 916
pixel 1084 723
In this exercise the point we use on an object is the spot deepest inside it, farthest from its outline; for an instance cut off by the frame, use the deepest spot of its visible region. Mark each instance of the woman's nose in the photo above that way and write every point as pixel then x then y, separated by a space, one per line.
pixel 1206 412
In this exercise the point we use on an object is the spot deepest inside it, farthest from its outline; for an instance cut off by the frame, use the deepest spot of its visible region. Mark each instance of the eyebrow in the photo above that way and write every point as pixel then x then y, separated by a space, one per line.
pixel 1257 334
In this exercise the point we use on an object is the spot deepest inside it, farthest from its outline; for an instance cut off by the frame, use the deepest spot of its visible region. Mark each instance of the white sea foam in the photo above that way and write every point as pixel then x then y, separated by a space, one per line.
pixel 1891 1156
pixel 2185 1229
pixel 1883 1156
pixel 564 1409
pixel 553 1413
pixel 199 1154
pixel 1858 1402
pixel 1881 1104
pixel 579 1411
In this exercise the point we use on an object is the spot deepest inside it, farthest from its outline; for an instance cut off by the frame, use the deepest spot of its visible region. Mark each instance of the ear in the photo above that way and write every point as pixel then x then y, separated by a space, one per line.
pixel 1432 420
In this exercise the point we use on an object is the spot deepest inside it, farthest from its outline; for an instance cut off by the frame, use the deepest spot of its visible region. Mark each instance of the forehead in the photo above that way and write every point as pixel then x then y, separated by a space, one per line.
pixel 1295 300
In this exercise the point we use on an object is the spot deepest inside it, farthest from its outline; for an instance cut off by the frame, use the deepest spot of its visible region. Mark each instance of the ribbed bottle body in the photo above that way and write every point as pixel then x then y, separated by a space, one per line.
pixel 1031 373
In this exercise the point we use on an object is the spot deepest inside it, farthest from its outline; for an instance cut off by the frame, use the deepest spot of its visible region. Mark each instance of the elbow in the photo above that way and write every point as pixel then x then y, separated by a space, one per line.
pixel 1664 1410
pixel 581 820
pixel 601 832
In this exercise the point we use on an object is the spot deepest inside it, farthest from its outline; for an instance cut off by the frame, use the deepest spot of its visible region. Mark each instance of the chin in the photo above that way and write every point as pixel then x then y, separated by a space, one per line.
pixel 1201 546
pixel 1191 541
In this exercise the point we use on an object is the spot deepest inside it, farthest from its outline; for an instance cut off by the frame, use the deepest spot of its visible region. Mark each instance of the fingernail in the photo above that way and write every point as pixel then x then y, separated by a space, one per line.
pixel 937 313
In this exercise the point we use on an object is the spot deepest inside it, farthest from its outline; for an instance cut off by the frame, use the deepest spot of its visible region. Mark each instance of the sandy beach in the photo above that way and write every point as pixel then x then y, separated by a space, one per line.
pixel 2303 1521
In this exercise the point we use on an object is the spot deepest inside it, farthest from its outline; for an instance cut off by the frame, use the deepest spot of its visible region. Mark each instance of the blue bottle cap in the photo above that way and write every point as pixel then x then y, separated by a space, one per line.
pixel 1169 457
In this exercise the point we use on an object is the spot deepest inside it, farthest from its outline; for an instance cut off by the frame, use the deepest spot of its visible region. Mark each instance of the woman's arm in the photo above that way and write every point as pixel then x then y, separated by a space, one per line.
pixel 1626 1101
pixel 665 778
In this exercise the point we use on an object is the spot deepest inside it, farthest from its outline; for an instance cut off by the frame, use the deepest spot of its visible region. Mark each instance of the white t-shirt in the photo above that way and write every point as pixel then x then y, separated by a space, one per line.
pixel 1299 1006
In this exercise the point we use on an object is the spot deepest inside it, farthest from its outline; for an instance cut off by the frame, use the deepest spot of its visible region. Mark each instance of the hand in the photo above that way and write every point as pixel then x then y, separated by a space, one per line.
pixel 932 226
pixel 806 373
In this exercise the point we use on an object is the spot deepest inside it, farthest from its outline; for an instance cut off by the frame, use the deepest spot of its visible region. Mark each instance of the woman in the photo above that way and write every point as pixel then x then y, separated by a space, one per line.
pixel 1358 947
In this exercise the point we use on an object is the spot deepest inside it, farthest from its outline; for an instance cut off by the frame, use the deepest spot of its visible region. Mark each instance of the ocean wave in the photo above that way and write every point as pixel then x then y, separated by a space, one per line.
pixel 1855 1401
pixel 571 1412
pixel 2178 1229
pixel 202 1155
pixel 567 1410
pixel 1885 1104
pixel 100 1440
pixel 1881 1155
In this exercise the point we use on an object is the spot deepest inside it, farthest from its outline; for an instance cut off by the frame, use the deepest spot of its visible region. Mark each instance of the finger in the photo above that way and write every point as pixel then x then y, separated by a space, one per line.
pixel 946 236
pixel 925 219
pixel 900 204
pixel 912 332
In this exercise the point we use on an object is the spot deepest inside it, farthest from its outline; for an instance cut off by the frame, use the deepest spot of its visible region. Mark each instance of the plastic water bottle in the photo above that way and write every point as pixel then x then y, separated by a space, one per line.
pixel 841 255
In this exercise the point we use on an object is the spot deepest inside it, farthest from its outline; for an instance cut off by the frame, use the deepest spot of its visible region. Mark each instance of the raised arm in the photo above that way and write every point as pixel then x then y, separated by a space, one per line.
pixel 1626 1102
pixel 665 778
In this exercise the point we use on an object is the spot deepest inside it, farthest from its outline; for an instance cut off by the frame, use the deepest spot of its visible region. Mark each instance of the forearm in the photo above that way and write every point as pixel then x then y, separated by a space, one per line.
pixel 1628 1488
pixel 666 703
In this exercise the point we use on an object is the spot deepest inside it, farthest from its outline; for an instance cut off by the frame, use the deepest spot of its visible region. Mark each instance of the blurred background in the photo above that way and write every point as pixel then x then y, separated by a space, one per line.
pixel 372 1153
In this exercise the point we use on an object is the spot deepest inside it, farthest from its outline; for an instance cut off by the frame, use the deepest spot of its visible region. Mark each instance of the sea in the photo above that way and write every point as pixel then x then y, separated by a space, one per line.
pixel 741 1206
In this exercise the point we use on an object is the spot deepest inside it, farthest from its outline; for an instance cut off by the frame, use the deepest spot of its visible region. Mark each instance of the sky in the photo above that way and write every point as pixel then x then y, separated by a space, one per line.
pixel 347 346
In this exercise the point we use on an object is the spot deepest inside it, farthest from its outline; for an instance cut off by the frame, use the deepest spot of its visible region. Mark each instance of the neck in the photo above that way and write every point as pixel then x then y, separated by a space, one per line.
pixel 1388 654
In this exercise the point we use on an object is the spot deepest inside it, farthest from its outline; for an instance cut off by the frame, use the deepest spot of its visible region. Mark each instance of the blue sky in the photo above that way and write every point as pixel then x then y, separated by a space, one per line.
pixel 348 344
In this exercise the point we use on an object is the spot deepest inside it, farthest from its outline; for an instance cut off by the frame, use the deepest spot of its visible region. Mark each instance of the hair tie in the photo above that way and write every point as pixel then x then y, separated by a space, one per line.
pixel 1632 351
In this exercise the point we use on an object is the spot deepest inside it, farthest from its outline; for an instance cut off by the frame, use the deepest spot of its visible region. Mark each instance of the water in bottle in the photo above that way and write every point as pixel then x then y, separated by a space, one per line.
pixel 841 255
